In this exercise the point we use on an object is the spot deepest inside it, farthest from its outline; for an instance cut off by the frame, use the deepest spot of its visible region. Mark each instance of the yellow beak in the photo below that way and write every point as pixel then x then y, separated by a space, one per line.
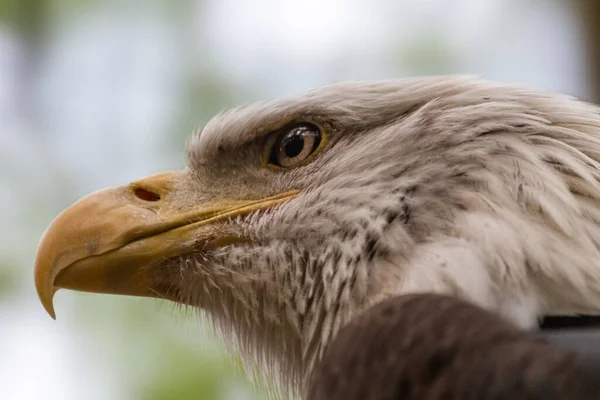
pixel 113 240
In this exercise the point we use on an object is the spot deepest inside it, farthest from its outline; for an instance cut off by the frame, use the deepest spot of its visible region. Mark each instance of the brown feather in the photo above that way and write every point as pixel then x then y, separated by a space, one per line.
pixel 438 347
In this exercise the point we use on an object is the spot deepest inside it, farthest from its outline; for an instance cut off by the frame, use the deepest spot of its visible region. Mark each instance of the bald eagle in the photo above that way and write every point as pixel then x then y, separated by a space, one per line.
pixel 294 215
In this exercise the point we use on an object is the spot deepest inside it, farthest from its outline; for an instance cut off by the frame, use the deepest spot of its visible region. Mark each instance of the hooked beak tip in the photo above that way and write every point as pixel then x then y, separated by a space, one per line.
pixel 46 291
pixel 49 305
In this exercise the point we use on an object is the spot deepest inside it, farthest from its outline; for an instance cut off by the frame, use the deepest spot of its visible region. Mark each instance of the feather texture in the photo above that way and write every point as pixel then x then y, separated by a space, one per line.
pixel 455 185
pixel 438 347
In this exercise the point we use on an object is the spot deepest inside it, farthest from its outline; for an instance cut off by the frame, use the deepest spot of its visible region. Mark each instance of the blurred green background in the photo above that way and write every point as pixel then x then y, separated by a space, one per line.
pixel 97 93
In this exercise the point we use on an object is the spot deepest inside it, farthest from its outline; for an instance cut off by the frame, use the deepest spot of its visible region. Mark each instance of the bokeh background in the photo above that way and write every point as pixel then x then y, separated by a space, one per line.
pixel 97 93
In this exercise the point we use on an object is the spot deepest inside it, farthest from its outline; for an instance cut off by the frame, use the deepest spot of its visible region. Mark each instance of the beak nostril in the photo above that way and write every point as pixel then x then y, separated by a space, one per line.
pixel 146 195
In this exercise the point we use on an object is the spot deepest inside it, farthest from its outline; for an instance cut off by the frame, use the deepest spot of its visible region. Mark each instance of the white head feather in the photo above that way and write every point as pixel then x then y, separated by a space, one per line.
pixel 455 185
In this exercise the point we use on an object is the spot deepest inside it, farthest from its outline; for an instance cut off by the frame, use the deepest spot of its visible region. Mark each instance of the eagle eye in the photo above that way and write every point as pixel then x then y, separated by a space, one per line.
pixel 295 144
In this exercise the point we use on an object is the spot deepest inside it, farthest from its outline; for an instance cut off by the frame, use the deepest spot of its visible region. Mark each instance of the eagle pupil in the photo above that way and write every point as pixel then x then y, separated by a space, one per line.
pixel 294 146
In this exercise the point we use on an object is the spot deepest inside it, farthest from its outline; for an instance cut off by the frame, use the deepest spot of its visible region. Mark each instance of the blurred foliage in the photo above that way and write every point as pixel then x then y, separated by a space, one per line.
pixel 204 94
pixel 9 279
pixel 14 12
pixel 26 16
pixel 428 55
pixel 9 10
pixel 183 377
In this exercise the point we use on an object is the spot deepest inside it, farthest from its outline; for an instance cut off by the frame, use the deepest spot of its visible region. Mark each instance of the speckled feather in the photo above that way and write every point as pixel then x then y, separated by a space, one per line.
pixel 452 185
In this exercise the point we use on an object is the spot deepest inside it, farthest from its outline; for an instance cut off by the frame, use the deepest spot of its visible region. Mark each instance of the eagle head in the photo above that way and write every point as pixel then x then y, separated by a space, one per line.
pixel 295 214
